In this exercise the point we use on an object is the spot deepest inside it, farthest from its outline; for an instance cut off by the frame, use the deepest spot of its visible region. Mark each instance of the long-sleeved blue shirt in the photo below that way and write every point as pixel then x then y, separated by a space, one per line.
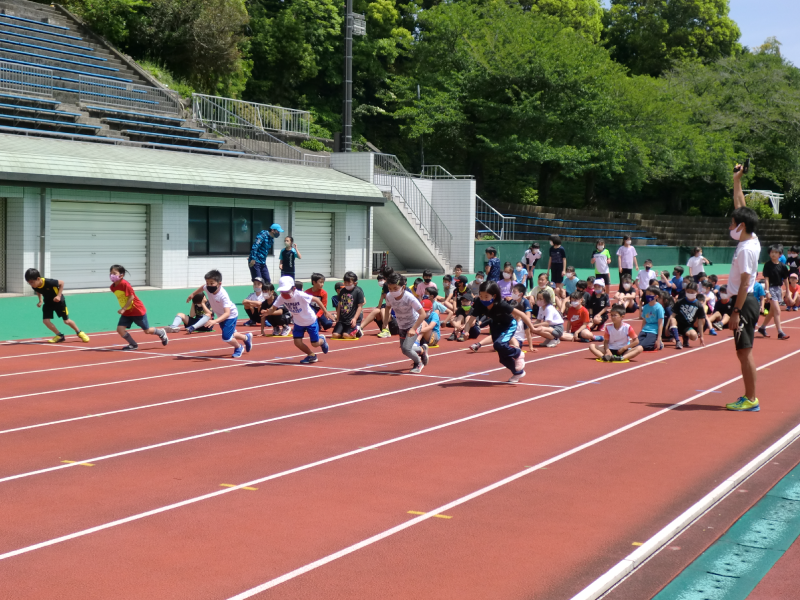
pixel 261 247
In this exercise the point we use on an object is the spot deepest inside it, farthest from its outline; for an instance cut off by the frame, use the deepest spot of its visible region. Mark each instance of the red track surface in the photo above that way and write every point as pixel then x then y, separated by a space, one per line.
pixel 544 535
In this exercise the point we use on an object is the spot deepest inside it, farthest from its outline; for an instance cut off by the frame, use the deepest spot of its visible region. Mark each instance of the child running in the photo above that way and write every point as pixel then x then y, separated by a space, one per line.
pixel 51 294
pixel 620 341
pixel 227 313
pixel 197 320
pixel 132 309
pixel 304 318
pixel 503 326
pixel 410 316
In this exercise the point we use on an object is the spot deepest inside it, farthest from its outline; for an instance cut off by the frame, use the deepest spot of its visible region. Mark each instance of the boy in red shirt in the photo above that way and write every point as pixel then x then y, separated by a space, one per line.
pixel 316 290
pixel 578 322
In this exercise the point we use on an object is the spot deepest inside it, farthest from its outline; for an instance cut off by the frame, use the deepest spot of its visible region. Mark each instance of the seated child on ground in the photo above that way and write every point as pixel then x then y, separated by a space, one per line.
pixel 549 323
pixel 317 290
pixel 429 331
pixel 281 320
pixel 349 309
pixel 626 295
pixel 690 317
pixel 792 298
pixel 252 304
pixel 598 305
pixel 620 341
pixel 653 316
pixel 578 322
pixel 722 310
pixel 199 314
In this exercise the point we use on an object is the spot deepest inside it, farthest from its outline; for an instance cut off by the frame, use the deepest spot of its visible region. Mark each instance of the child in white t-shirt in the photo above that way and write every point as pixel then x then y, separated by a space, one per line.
pixel 620 341
pixel 697 263
pixel 227 314
pixel 304 317
pixel 549 323
pixel 626 258
pixel 252 304
pixel 410 315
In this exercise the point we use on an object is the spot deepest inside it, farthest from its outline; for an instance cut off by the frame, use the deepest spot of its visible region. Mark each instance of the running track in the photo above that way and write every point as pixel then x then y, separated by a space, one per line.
pixel 524 491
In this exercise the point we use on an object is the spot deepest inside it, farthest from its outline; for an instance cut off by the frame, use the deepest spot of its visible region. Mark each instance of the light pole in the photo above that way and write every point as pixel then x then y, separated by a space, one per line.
pixel 354 24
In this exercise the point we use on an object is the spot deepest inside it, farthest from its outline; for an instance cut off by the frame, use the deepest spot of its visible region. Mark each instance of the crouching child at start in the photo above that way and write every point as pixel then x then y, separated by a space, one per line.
pixel 197 319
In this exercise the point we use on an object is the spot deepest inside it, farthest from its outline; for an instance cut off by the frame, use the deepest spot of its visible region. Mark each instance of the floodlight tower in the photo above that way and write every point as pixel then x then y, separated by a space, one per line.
pixel 355 24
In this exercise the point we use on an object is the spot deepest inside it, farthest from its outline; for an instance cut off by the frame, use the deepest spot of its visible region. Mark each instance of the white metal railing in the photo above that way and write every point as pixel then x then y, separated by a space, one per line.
pixel 216 109
pixel 773 197
pixel 391 173
pixel 248 136
pixel 27 80
pixel 493 222
pixel 439 172
pixel 132 96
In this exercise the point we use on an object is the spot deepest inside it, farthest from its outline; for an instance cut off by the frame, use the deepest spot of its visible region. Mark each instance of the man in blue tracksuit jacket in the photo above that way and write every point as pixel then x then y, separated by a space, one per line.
pixel 260 250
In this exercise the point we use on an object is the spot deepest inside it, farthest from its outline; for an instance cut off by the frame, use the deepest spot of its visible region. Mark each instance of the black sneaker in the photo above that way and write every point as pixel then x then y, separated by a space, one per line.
pixel 131 347
pixel 678 345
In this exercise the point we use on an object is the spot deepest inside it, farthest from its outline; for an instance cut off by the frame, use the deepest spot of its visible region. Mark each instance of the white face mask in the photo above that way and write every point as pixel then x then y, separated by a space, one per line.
pixel 574 304
pixel 540 303
pixel 570 275
pixel 516 295
pixel 627 286
pixel 724 296
pixel 506 275
pixel 349 288
pixel 627 242
pixel 691 296
pixel 735 233
pixel 601 248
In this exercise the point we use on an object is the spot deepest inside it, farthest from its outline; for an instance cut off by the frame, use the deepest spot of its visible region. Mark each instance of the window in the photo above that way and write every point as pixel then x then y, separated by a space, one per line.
pixel 214 230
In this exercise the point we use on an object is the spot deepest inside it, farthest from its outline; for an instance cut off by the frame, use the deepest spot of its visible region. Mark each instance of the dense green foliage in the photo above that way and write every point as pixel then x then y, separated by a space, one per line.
pixel 554 102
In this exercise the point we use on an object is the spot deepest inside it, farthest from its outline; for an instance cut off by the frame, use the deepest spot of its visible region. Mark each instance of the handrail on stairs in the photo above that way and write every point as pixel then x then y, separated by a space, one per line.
pixel 501 226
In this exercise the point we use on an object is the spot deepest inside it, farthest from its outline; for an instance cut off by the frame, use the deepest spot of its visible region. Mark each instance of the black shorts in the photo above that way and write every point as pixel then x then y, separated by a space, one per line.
pixel 60 309
pixel 748 318
pixel 623 272
pixel 343 327
pixel 632 309
pixel 605 277
pixel 557 273
pixel 126 322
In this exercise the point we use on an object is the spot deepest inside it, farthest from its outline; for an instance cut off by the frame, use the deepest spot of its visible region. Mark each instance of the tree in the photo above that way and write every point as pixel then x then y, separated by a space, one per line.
pixel 583 16
pixel 649 36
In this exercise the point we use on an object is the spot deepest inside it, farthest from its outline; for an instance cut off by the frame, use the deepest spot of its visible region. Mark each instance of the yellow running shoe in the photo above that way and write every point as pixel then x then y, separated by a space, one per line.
pixel 59 338
pixel 744 405
pixel 384 333
pixel 83 337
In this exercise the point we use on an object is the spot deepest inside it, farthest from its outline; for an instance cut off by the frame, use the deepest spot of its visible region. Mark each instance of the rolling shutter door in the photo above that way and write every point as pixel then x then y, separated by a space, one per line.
pixel 313 234
pixel 86 238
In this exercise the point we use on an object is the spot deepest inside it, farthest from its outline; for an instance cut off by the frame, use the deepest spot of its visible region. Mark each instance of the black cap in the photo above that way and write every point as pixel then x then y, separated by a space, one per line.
pixel 463 279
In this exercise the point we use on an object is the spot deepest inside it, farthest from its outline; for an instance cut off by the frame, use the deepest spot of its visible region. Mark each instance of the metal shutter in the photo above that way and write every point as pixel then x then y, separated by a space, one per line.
pixel 313 234
pixel 86 238
pixel 2 244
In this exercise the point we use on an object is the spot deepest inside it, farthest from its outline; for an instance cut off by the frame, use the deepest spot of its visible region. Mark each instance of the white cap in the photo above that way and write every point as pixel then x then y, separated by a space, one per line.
pixel 600 282
pixel 286 284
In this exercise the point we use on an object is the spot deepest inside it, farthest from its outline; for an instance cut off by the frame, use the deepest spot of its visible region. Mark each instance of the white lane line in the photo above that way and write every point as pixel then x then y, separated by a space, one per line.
pixel 459 501
pixel 254 423
pixel 338 457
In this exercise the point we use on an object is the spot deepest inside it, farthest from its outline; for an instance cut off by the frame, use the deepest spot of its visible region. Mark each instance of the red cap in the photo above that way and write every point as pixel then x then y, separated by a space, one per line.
pixel 427 304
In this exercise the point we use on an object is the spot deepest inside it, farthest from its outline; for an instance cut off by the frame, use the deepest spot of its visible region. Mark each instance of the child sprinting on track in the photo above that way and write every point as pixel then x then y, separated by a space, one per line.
pixel 304 318
pixel 51 300
pixel 549 323
pixel 519 301
pixel 227 313
pixel 410 316
pixel 132 309
pixel 776 274
pixel 620 341
pixel 281 320
pixel 503 326
pixel 197 319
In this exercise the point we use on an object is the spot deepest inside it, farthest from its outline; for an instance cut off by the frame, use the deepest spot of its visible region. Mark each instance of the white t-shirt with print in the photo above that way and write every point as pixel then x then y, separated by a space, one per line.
pixel 626 254
pixel 300 307
pixel 220 301
pixel 600 262
pixel 406 309
pixel 531 257
pixel 549 314
pixel 745 260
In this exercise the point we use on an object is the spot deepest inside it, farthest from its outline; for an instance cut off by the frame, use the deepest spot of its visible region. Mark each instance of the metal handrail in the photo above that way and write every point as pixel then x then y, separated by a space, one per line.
pixel 773 197
pixel 501 226
pixel 216 109
pixel 439 172
pixel 36 81
pixel 131 96
pixel 390 172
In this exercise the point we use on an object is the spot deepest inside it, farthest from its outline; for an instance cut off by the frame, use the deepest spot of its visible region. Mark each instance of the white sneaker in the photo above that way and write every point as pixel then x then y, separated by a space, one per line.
pixel 172 329
pixel 417 369
pixel 519 363
pixel 517 377
pixel 424 356
pixel 552 343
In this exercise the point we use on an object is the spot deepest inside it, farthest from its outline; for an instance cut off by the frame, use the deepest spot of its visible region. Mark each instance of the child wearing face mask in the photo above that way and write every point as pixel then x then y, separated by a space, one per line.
pixel 302 307
pixel 578 322
pixel 601 259
pixel 132 310
pixel 503 327
pixel 475 286
pixel 570 281
pixel 598 304
pixel 410 315
pixel 349 309
pixel 792 297
pixel 252 304
pixel 227 313
pixel 626 295
pixel 690 317
pixel 793 261
pixel 653 316
pixel 626 258
pixel 697 263
pixel 520 273
pixel 721 314
pixel 530 260
pixel 644 277
pixel 280 321
pixel 462 299
pixel 518 300
pixel 557 261
pixel 287 257
pixel 507 282
pixel 549 323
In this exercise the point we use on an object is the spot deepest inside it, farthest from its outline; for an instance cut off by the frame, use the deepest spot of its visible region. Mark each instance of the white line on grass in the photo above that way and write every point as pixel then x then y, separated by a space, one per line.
pixel 450 505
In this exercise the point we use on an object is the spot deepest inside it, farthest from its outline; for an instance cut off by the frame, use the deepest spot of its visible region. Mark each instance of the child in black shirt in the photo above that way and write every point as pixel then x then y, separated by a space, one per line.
pixel 689 316
pixel 776 275
pixel 51 294
pixel 281 320
pixel 349 309
pixel 598 305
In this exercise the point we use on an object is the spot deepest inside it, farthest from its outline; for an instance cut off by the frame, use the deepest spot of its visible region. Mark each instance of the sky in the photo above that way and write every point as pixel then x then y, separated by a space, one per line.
pixel 760 19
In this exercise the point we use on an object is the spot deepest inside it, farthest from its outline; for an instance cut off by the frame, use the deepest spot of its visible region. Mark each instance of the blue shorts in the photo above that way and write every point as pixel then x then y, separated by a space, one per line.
pixel 298 331
pixel 228 329
pixel 126 322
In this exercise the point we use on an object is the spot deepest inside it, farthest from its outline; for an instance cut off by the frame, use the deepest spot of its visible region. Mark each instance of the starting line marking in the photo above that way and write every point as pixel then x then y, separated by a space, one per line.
pixel 75 462
pixel 709 391
pixel 416 512
pixel 233 485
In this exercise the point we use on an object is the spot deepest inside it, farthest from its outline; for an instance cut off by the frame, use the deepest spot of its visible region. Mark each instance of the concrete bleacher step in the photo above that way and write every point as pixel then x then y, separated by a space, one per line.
pixel 29 122
pixel 138 115
pixel 120 124
pixel 44 113
pixel 147 136
pixel 9 97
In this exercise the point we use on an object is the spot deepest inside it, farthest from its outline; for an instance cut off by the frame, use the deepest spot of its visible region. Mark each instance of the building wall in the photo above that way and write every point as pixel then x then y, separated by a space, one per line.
pixel 454 201
pixel 22 236
pixel 378 245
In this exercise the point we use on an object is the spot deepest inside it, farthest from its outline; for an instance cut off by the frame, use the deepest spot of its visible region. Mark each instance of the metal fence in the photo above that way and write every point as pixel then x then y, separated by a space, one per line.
pixel 491 222
pixel 131 96
pixel 391 173
pixel 439 172
pixel 226 111
pixel 31 81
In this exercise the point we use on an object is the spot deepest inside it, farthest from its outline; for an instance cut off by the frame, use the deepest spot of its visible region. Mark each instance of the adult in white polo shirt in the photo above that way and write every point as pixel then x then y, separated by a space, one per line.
pixel 741 280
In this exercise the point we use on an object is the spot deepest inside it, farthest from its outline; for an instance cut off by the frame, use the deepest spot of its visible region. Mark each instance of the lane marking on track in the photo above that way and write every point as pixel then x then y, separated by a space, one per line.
pixel 416 512
pixel 230 363
pixel 75 462
pixel 388 442
pixel 636 544
pixel 489 488
pixel 254 423
pixel 233 485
